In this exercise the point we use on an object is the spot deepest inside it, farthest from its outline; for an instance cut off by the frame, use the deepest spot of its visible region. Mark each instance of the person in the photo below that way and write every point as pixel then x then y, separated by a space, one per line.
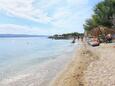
pixel 74 39
pixel 108 38
pixel 94 41
pixel 78 37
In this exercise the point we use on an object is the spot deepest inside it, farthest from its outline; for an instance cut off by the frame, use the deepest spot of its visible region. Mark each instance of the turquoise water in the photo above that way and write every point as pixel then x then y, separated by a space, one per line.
pixel 23 54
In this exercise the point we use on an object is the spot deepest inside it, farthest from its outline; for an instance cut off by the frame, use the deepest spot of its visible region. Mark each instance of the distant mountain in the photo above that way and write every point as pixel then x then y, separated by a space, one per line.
pixel 21 35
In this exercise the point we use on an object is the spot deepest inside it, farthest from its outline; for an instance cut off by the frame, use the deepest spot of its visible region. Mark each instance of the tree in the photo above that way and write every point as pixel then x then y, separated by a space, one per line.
pixel 90 23
pixel 104 15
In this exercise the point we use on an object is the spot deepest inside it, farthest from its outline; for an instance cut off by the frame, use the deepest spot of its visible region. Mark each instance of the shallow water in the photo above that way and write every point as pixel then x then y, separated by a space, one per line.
pixel 32 61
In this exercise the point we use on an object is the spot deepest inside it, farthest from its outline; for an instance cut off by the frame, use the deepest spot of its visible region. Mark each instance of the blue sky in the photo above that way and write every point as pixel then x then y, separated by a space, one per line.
pixel 44 17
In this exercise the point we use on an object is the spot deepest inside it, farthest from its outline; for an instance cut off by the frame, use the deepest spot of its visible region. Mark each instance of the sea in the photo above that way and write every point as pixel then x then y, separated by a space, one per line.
pixel 33 61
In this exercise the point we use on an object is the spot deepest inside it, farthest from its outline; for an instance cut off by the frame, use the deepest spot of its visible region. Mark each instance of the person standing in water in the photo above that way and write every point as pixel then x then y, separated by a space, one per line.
pixel 78 38
pixel 74 39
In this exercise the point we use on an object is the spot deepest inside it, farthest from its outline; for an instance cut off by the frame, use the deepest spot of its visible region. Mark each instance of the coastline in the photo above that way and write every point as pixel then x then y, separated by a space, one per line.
pixel 85 70
pixel 73 74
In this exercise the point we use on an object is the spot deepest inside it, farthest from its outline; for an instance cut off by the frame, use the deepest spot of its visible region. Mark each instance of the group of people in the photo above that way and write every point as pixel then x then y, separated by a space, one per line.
pixel 107 38
pixel 77 37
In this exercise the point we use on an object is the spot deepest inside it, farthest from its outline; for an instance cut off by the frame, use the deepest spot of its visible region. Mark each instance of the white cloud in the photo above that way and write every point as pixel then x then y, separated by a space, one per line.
pixel 18 29
pixel 65 18
pixel 66 14
pixel 24 9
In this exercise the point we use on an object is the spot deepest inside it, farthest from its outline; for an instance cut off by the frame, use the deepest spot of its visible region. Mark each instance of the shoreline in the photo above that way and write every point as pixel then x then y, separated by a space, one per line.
pixel 73 74
pixel 91 66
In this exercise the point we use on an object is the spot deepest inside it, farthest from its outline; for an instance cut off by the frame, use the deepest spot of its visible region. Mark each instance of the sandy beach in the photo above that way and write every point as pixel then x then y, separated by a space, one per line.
pixel 102 71
pixel 91 66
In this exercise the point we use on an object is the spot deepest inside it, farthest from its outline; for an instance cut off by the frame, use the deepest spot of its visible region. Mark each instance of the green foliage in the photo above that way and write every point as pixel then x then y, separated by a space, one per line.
pixel 72 34
pixel 104 13
pixel 66 35
pixel 90 23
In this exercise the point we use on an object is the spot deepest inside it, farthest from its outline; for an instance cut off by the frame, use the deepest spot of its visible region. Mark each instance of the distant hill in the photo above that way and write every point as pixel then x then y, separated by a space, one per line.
pixel 21 35
pixel 66 35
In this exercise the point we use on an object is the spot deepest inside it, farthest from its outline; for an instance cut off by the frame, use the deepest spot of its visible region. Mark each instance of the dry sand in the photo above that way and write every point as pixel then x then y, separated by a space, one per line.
pixel 102 71
pixel 90 67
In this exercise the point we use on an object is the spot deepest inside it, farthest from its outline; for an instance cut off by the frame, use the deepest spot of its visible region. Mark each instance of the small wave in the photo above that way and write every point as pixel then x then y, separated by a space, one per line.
pixel 13 79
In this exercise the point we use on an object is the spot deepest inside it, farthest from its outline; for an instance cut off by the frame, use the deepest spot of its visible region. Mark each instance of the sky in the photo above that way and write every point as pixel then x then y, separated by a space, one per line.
pixel 44 17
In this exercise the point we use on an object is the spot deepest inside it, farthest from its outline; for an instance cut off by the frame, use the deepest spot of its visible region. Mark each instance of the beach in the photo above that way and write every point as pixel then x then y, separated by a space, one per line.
pixel 91 66
pixel 102 71
pixel 57 42
pixel 76 64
